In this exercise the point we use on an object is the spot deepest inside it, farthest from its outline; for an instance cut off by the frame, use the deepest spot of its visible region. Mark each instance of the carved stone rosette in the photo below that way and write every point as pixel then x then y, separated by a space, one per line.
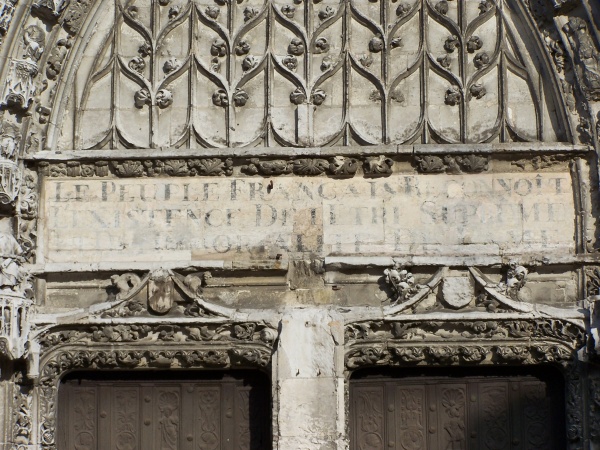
pixel 141 346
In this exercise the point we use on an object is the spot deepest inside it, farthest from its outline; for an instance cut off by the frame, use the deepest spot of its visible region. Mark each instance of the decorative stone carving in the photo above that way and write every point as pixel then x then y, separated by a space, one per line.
pixel 169 167
pixel 276 167
pixel 477 91
pixel 50 9
pixel 456 354
pixel 15 298
pixel 593 281
pixel 587 57
pixel 474 43
pixel 443 342
pixel 516 277
pixel 19 87
pixel 125 283
pixel 142 347
pixel 10 175
pixel 401 281
pixel 23 426
pixel 14 327
pixel 343 167
pixel 165 290
pixel 457 291
pixel 452 163
pixel 310 166
pixel 453 96
pixel 7 9
pixel 378 165
pixel 27 210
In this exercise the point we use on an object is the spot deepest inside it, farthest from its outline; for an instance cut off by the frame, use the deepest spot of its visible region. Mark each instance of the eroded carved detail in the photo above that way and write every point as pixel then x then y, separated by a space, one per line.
pixel 471 331
pixel 10 175
pixel 7 9
pixel 50 9
pixel 401 281
pixel 23 426
pixel 452 163
pixel 587 57
pixel 516 277
pixel 27 212
pixel 378 165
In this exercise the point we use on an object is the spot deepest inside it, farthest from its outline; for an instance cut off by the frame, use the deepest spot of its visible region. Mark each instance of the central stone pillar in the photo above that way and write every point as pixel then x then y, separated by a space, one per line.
pixel 309 381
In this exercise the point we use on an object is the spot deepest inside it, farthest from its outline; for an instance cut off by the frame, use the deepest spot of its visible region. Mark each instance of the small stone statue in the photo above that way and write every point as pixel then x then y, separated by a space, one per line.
pixel 12 276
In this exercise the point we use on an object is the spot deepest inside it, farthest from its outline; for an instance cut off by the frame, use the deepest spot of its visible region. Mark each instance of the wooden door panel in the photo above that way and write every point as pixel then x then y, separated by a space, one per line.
pixel 369 418
pixel 159 414
pixel 466 413
pixel 410 418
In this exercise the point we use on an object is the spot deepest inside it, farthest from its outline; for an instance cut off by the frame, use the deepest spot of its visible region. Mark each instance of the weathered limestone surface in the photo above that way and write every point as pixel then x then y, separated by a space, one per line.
pixel 309 373
pixel 306 188
pixel 193 219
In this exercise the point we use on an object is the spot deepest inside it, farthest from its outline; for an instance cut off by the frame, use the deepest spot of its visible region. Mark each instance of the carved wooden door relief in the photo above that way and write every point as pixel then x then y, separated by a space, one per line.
pixel 164 414
pixel 444 413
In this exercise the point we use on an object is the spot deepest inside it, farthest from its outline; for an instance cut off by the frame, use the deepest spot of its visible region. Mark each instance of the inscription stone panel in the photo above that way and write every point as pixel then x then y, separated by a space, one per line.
pixel 230 218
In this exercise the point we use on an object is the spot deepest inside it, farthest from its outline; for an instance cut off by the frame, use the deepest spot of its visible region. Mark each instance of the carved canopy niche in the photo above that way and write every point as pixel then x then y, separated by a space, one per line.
pixel 215 73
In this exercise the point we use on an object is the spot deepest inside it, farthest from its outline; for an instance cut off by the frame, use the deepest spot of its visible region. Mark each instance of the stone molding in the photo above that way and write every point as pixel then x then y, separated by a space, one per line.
pixel 333 165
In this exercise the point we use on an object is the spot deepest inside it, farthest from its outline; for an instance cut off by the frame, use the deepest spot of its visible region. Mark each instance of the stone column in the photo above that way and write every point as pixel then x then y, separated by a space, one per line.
pixel 309 381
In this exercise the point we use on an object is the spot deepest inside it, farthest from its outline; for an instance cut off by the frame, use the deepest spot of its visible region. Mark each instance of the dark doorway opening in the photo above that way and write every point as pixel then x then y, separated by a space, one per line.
pixel 176 410
pixel 457 409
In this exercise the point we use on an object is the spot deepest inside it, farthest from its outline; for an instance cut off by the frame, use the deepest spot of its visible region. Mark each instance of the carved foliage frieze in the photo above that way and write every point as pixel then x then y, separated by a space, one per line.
pixel 523 341
pixel 452 164
pixel 224 334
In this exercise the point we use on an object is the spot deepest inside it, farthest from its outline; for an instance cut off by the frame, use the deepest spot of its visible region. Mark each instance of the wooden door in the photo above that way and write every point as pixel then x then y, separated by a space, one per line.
pixel 164 413
pixel 456 413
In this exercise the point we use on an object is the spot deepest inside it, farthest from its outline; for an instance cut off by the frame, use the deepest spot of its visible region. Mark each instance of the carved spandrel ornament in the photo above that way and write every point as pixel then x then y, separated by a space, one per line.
pixel 469 291
pixel 160 292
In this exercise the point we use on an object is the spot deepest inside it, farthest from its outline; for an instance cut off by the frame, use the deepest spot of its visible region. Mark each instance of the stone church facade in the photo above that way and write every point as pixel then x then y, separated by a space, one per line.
pixel 385 211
